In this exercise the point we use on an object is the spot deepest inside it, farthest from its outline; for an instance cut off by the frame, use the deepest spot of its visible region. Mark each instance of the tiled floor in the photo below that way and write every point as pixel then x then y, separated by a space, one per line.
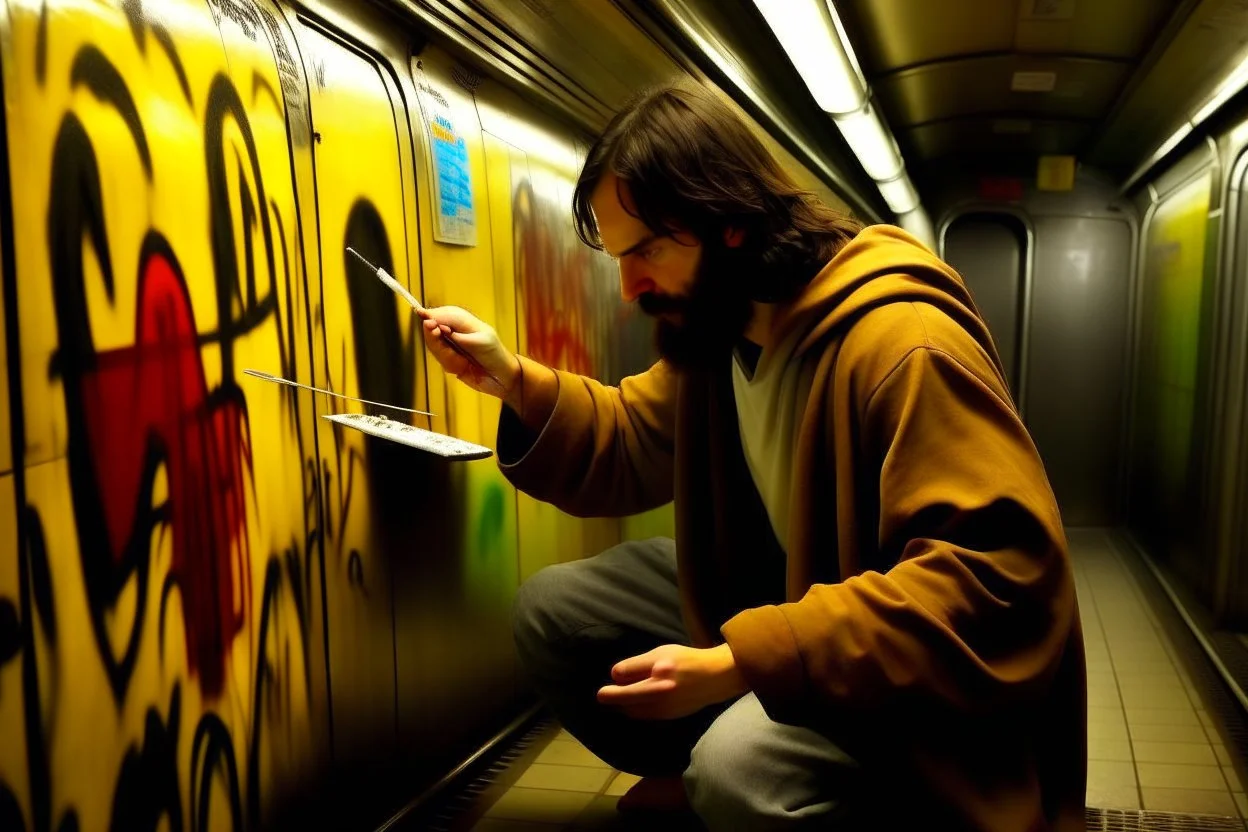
pixel 565 787
pixel 1151 742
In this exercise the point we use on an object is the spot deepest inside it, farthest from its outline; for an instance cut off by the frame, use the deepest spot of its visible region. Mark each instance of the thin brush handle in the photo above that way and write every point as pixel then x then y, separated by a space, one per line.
pixel 289 383
pixel 422 312
pixel 393 284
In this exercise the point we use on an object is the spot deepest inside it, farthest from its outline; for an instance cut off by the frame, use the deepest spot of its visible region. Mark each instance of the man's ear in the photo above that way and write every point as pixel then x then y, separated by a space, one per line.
pixel 733 237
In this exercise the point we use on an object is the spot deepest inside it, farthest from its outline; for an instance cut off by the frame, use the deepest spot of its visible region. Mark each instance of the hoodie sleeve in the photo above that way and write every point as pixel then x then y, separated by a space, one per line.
pixel 604 451
pixel 976 612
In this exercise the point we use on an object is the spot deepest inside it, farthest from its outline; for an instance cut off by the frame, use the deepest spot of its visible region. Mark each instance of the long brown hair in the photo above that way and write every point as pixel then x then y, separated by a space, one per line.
pixel 691 164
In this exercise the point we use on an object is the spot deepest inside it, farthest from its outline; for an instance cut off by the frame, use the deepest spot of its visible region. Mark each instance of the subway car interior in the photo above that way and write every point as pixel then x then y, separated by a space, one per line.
pixel 219 610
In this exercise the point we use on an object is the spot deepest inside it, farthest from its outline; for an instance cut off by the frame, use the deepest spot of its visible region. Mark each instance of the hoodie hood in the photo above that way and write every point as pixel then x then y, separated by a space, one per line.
pixel 883 264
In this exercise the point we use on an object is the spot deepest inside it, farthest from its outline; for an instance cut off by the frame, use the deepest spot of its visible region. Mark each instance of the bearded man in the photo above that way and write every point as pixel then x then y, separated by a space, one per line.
pixel 869 605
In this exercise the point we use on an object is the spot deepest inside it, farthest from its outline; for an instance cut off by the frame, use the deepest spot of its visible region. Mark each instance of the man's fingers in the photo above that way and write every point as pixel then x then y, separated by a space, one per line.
pixel 452 361
pixel 632 669
pixel 636 693
pixel 457 319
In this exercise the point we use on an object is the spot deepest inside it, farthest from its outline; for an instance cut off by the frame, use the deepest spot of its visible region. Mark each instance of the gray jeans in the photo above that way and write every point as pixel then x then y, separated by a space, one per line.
pixel 742 771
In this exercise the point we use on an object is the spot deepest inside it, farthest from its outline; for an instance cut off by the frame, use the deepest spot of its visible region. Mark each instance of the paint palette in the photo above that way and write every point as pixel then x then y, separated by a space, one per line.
pixel 405 434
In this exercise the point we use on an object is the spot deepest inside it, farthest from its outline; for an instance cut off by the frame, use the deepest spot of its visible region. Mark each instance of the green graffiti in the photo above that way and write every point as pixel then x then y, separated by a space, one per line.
pixel 491 519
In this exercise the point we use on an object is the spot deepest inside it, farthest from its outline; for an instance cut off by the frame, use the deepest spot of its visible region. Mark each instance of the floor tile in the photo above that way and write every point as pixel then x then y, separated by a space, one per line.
pixel 1181 753
pixel 1242 802
pixel 1167 733
pixel 567 778
pixel 1110 773
pixel 1152 681
pixel 1115 716
pixel 539 805
pixel 564 753
pixel 1131 643
pixel 1149 698
pixel 1162 716
pixel 622 783
pixel 1176 776
pixel 1107 731
pixel 1191 801
pixel 1224 756
pixel 1103 698
pixel 1233 781
pixel 1101 796
pixel 1128 657
pixel 1107 680
pixel 1109 750
pixel 1146 668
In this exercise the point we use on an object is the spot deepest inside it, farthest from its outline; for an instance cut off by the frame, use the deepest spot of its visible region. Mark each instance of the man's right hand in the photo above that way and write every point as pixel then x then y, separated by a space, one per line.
pixel 479 340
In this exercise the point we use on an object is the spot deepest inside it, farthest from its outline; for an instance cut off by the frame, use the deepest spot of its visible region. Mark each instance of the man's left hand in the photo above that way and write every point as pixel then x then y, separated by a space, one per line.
pixel 673 681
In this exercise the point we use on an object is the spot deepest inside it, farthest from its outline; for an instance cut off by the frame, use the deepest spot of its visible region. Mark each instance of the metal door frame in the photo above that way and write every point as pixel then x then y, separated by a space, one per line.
pixel 965 209
pixel 1230 347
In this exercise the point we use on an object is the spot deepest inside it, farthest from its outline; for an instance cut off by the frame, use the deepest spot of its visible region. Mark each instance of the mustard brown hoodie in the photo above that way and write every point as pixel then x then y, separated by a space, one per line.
pixel 927 619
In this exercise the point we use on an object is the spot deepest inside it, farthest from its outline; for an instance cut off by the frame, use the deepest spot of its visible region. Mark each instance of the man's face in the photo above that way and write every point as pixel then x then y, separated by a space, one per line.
pixel 693 291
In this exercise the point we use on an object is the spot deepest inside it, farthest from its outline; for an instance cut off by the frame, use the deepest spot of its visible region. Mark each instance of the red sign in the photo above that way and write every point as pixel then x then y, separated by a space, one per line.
pixel 1000 189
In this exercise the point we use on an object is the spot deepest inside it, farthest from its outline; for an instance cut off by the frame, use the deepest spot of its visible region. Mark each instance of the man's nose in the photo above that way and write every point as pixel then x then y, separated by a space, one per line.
pixel 634 280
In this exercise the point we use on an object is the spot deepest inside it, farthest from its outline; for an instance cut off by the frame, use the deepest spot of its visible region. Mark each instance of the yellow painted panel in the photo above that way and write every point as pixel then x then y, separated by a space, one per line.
pixel 499 159
pixel 6 446
pixel 370 343
pixel 475 277
pixel 13 766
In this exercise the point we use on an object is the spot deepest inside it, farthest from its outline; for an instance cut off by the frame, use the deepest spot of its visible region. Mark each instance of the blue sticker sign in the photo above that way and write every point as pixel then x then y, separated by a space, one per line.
pixel 454 219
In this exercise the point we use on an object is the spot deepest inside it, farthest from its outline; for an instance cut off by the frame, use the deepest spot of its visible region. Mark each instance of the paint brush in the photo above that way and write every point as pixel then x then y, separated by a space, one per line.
pixel 422 313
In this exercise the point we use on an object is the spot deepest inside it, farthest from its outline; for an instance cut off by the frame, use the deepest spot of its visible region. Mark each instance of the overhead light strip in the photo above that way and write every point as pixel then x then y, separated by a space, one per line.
pixel 1230 86
pixel 811 33
pixel 695 30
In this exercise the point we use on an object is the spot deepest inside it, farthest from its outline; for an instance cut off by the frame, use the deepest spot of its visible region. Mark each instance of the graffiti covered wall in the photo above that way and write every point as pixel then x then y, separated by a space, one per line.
pixel 164 589
pixel 210 597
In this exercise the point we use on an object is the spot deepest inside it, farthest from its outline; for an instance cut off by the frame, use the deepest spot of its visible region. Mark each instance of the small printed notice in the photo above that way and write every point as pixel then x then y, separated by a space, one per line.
pixel 454 220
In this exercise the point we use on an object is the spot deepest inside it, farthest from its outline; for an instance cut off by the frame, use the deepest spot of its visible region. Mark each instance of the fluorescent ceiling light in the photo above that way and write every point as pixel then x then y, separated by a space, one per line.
pixel 900 194
pixel 812 37
pixel 871 143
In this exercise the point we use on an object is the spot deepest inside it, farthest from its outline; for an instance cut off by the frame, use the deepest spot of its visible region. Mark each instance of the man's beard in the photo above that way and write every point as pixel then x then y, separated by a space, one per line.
pixel 712 317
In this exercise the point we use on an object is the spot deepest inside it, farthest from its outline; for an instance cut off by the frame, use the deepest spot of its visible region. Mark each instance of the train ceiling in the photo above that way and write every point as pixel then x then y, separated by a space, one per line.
pixel 990 82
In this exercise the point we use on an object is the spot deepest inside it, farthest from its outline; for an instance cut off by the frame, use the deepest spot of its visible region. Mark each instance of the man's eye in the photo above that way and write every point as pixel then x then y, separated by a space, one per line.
pixel 650 253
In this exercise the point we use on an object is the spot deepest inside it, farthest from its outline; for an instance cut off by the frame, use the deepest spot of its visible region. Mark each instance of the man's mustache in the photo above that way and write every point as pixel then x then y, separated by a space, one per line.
pixel 654 304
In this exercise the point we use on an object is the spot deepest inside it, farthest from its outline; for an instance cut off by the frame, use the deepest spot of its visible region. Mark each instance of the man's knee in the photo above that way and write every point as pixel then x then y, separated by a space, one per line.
pixel 538 602
pixel 718 779
pixel 747 772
